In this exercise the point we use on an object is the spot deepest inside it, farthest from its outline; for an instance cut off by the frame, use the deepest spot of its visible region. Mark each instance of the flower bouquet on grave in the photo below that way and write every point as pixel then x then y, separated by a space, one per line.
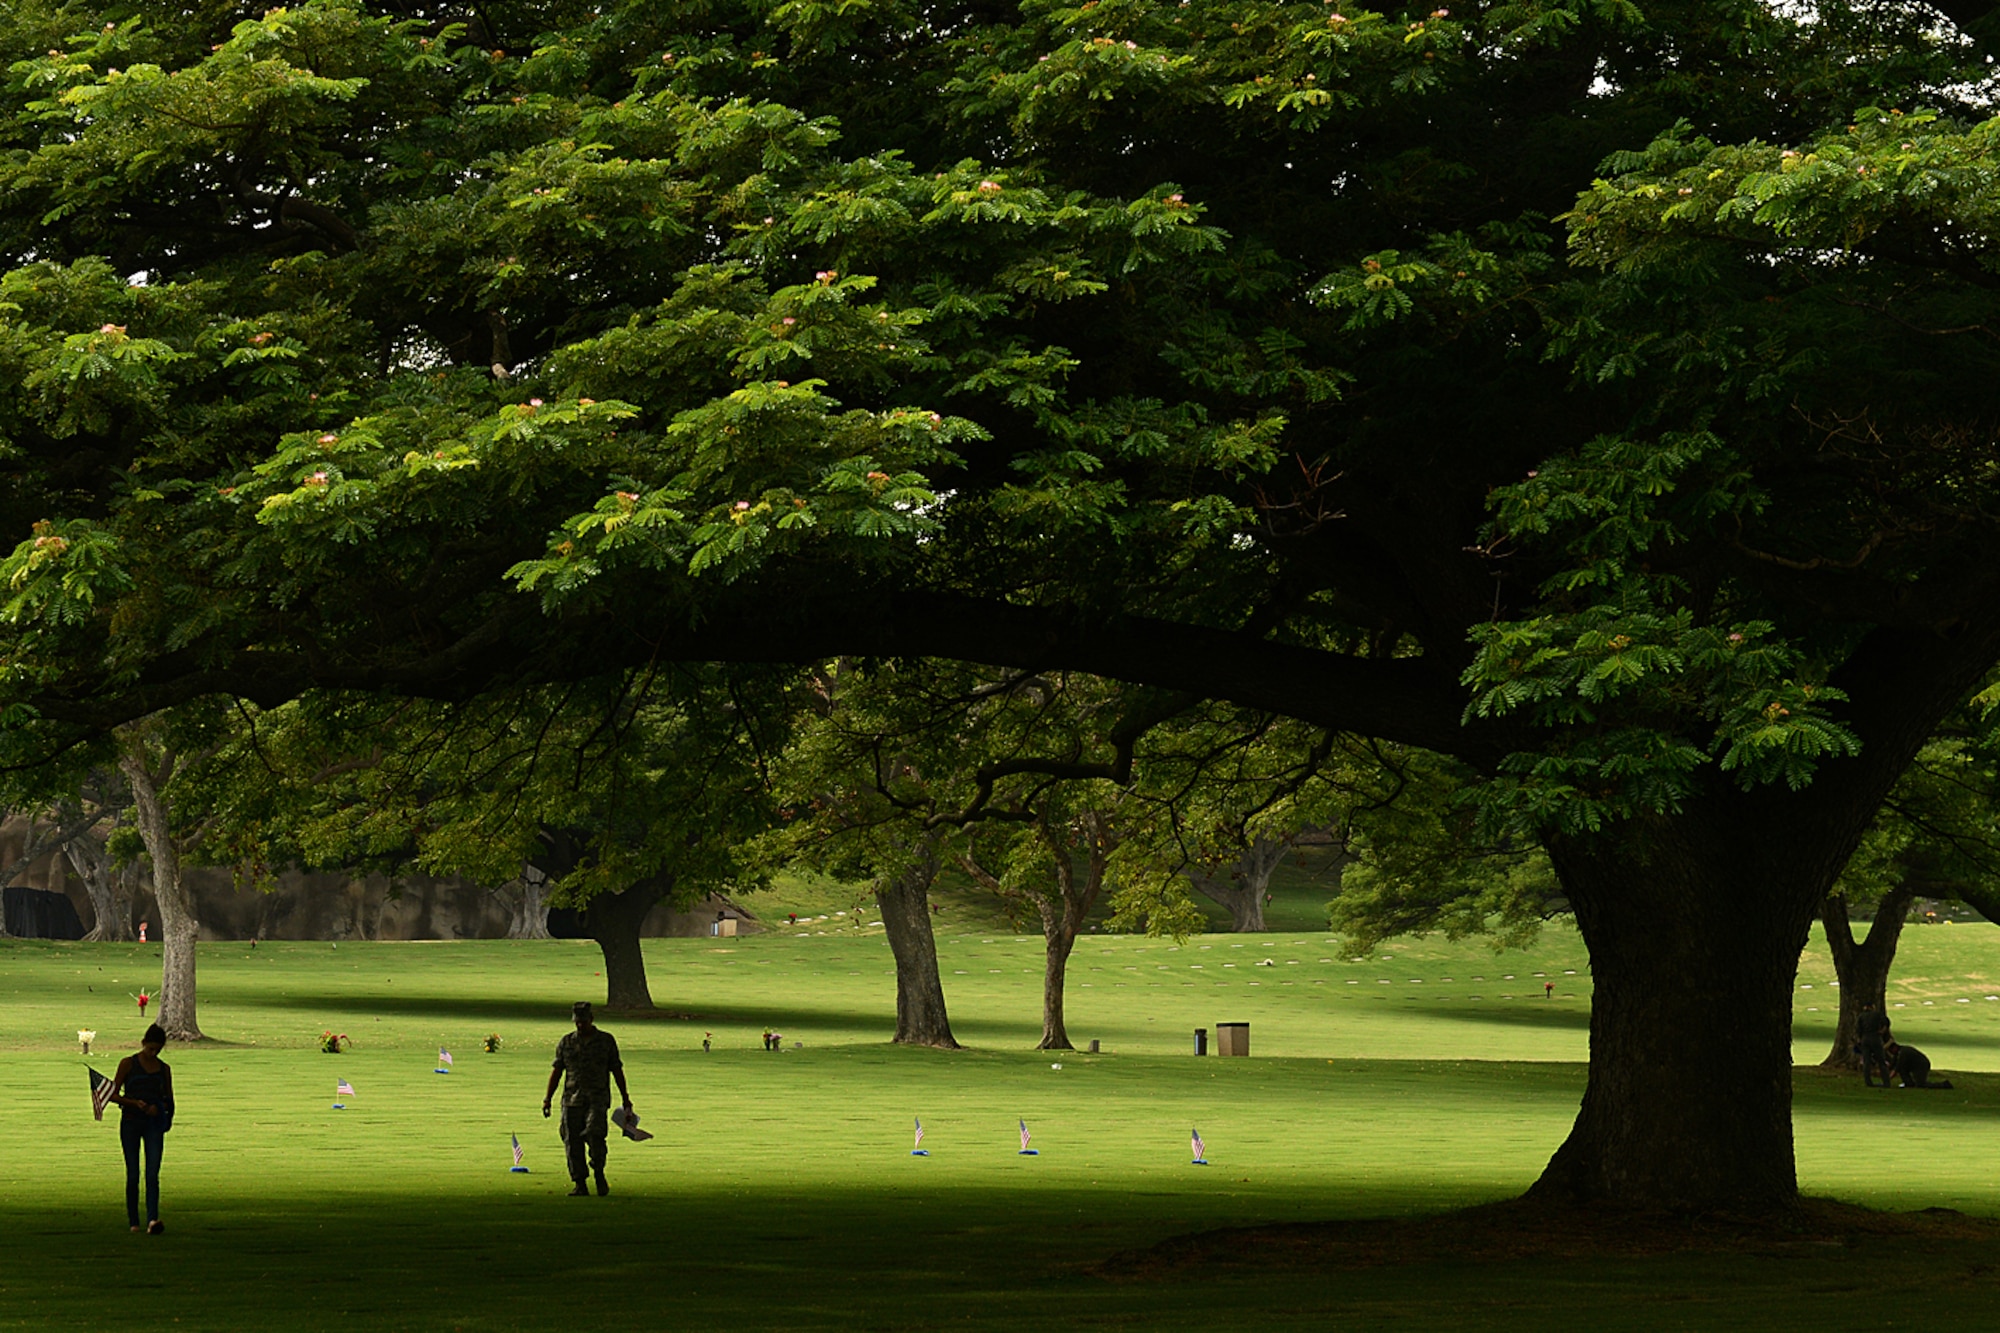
pixel 333 1043
pixel 492 1043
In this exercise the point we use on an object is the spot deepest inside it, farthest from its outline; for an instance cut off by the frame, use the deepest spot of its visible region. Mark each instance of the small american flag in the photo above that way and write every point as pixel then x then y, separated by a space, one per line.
pixel 1025 1136
pixel 444 1057
pixel 1200 1148
pixel 100 1093
pixel 920 1133
pixel 517 1148
pixel 343 1089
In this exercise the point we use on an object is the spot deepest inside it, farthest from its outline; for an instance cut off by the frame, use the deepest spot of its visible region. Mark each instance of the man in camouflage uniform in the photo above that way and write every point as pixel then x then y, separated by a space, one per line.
pixel 586 1061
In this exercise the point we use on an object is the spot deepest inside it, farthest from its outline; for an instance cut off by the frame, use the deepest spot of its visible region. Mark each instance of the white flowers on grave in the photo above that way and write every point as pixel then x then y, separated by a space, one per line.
pixel 86 1036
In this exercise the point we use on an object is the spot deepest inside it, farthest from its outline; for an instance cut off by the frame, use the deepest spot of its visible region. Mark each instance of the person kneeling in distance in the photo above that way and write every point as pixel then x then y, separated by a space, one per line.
pixel 1913 1067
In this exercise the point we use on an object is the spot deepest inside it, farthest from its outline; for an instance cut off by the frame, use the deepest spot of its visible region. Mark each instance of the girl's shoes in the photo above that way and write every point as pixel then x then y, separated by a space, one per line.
pixel 155 1227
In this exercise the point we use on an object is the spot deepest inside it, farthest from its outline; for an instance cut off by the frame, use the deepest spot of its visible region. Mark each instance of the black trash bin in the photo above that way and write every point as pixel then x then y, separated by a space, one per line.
pixel 1201 1041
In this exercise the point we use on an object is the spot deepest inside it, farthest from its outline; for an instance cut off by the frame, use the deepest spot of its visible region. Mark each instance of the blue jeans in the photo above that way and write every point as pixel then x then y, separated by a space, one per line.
pixel 134 1130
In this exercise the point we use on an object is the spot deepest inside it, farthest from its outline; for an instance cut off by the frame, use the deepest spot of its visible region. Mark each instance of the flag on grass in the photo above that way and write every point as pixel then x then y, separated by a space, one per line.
pixel 517 1148
pixel 100 1094
pixel 918 1150
pixel 1025 1136
pixel 1200 1148
pixel 343 1089
pixel 444 1057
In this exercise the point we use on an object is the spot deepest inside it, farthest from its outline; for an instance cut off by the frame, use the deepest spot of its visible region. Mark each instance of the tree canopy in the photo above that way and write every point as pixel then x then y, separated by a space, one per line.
pixel 1596 393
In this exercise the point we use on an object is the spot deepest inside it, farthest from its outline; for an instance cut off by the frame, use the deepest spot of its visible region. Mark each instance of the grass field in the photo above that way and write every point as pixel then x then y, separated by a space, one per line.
pixel 781 1192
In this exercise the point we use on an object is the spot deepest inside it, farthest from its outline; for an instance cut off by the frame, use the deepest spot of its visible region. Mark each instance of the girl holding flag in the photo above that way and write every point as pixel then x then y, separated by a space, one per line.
pixel 144 1088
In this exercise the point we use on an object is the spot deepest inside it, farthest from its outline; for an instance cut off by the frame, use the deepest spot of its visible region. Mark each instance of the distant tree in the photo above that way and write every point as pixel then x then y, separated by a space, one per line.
pixel 1935 837
pixel 527 907
pixel 607 796
pixel 170 766
pixel 1222 795
pixel 1424 859
pixel 1056 864
pixel 863 788
pixel 102 798
pixel 44 836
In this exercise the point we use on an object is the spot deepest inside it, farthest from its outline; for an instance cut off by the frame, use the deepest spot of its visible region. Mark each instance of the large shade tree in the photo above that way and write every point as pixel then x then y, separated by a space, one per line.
pixel 1228 347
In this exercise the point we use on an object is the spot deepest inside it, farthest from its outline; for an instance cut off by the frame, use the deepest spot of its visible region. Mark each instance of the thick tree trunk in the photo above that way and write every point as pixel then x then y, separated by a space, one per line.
pixel 1694 942
pixel 110 901
pixel 1058 939
pixel 613 920
pixel 904 900
pixel 1861 969
pixel 179 927
pixel 1242 888
pixel 528 910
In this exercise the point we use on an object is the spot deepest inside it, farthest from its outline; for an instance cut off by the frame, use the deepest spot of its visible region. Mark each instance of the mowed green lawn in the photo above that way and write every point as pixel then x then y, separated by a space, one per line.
pixel 781 1192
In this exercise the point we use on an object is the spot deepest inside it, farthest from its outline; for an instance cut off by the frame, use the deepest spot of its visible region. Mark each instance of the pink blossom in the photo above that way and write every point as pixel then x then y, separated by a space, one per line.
pixel 742 504
pixel 989 187
pixel 534 402
pixel 329 439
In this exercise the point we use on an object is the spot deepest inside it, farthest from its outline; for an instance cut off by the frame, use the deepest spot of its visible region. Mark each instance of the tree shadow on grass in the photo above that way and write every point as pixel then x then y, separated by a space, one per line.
pixel 1568 1020
pixel 426 1006
pixel 499 1007
pixel 998 1034
pixel 1531 1229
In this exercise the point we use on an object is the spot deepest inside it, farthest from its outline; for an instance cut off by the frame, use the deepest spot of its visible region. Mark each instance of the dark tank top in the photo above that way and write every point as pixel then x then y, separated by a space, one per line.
pixel 146 1087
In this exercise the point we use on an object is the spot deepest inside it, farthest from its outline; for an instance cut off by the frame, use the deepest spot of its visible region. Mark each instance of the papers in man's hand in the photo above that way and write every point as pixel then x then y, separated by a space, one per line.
pixel 628 1124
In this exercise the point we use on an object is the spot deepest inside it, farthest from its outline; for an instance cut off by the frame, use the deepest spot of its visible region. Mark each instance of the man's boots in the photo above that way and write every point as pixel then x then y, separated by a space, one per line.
pixel 581 1188
pixel 603 1186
